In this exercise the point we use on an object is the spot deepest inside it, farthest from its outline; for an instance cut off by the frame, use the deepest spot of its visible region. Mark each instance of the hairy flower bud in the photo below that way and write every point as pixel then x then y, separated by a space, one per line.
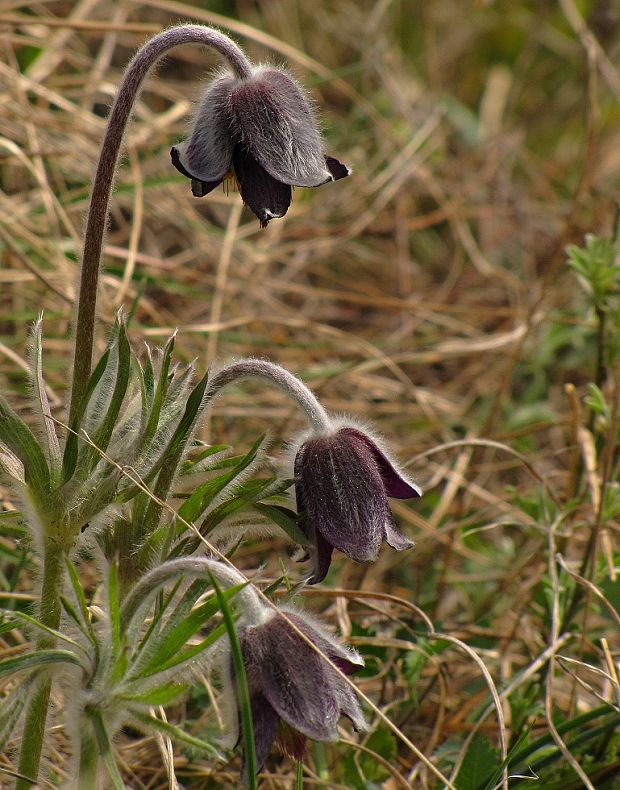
pixel 343 481
pixel 263 127
pixel 294 693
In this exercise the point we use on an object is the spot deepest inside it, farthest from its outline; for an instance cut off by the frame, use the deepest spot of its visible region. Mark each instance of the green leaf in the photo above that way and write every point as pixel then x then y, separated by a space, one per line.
pixel 245 494
pixel 242 687
pixel 206 452
pixel 362 769
pixel 160 392
pixel 102 436
pixel 172 639
pixel 88 629
pixel 114 609
pixel 479 764
pixel 70 455
pixel 202 497
pixel 173 732
pixel 182 657
pixel 159 695
pixel 105 749
pixel 415 661
pixel 35 659
pixel 42 410
pixel 153 629
pixel 168 461
pixel 20 440
pixel 286 519
pixel 32 621
pixel 11 466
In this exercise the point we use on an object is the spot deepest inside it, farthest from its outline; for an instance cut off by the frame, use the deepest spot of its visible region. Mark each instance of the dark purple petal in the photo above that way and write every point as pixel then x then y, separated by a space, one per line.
pixel 344 494
pixel 336 168
pixel 207 154
pixel 293 678
pixel 395 538
pixel 199 188
pixel 265 725
pixel 345 660
pixel 395 484
pixel 322 559
pixel 274 120
pixel 350 707
pixel 265 196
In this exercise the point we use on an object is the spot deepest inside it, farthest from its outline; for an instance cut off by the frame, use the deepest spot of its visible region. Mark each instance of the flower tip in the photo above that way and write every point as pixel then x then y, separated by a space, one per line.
pixel 199 188
pixel 336 168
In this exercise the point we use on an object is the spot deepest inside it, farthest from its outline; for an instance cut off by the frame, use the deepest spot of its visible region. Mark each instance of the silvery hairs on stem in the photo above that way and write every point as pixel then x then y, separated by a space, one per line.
pixel 343 475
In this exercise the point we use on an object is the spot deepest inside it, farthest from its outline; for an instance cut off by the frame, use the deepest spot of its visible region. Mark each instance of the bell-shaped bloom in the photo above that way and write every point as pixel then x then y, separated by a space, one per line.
pixel 343 481
pixel 264 130
pixel 294 693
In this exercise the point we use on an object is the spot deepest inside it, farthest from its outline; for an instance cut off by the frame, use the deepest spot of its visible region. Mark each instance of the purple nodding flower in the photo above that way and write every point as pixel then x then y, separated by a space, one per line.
pixel 263 128
pixel 343 481
pixel 294 693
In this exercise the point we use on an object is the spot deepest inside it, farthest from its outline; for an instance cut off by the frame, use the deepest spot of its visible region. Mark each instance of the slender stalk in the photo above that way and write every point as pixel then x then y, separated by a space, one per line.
pixel 96 221
pixel 253 608
pixel 89 761
pixel 36 715
pixel 282 378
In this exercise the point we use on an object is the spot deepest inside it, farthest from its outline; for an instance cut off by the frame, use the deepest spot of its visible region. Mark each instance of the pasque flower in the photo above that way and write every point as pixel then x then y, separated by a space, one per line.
pixel 343 481
pixel 262 127
pixel 294 693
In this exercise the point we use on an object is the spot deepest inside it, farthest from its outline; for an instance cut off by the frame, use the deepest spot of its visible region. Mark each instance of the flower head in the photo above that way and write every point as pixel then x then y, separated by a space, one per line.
pixel 263 128
pixel 294 693
pixel 343 481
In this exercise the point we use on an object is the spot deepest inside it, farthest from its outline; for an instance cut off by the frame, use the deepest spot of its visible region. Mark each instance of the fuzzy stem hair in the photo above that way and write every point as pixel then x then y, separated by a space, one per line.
pixel 283 379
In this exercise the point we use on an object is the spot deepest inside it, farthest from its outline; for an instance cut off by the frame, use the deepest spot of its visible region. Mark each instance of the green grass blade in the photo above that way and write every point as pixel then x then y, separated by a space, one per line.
pixel 243 689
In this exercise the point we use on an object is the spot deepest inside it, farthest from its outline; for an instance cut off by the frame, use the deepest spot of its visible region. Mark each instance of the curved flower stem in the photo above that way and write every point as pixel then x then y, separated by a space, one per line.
pixel 254 609
pixel 96 222
pixel 282 378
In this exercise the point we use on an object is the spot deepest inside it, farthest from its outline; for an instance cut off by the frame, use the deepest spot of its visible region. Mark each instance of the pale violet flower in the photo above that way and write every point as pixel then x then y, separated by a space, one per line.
pixel 262 128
